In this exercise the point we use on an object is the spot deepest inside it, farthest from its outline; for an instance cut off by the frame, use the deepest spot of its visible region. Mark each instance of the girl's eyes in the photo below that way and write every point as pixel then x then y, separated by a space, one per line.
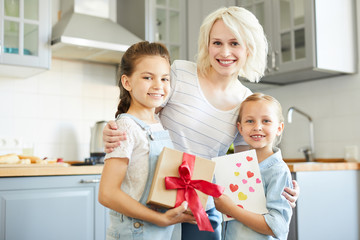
pixel 165 79
pixel 147 78
pixel 249 121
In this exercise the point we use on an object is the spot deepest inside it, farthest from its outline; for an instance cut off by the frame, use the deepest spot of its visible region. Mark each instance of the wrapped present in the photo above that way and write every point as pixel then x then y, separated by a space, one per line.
pixel 182 177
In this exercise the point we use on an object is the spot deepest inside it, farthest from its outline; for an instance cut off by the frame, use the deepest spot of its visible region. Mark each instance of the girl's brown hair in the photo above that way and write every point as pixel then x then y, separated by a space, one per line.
pixel 128 63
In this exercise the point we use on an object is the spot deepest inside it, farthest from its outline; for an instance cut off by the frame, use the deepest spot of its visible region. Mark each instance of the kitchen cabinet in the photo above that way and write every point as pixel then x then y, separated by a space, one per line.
pixel 24 37
pixel 328 206
pixel 51 207
pixel 308 39
pixel 156 20
pixel 197 10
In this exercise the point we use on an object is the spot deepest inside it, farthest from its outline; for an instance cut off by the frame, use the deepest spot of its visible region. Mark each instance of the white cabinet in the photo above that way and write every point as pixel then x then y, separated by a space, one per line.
pixel 308 39
pixel 56 207
pixel 24 37
pixel 156 20
pixel 197 10
pixel 328 206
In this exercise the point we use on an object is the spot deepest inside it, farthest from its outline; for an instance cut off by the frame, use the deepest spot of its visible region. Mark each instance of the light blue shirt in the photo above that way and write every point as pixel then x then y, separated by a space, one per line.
pixel 276 176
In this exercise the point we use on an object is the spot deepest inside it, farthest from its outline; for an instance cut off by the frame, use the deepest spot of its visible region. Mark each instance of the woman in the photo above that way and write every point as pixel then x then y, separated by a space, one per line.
pixel 201 112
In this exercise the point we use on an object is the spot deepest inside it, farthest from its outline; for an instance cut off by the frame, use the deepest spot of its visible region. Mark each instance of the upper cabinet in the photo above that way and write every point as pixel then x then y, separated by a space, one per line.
pixel 156 21
pixel 24 37
pixel 308 39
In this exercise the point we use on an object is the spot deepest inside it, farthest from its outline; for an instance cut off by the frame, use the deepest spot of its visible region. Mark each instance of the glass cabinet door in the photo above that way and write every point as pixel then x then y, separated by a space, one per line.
pixel 288 28
pixel 25 35
pixel 21 27
pixel 169 21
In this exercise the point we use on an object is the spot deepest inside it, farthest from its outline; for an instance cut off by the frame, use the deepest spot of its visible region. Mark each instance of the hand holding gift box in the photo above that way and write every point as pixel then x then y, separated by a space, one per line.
pixel 188 178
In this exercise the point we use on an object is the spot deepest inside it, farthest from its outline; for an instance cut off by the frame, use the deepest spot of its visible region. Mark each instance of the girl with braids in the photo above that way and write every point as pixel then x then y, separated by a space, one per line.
pixel 128 171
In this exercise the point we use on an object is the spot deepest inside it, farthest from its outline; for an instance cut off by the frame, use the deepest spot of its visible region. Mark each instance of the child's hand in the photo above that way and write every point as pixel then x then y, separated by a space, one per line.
pixel 178 215
pixel 112 137
pixel 224 204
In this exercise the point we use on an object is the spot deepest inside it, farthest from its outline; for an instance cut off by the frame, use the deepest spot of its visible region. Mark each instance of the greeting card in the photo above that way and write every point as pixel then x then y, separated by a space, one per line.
pixel 239 173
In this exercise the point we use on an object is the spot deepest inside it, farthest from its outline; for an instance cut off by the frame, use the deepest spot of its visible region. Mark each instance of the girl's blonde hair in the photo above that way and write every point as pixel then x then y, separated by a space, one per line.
pixel 247 30
pixel 256 97
pixel 128 64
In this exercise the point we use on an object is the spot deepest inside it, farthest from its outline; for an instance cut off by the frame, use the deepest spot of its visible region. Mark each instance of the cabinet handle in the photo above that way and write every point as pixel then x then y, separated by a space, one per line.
pixel 273 60
pixel 276 66
pixel 90 181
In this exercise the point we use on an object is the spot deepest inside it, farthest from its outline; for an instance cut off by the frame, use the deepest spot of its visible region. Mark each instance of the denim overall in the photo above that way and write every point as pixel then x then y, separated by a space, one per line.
pixel 123 227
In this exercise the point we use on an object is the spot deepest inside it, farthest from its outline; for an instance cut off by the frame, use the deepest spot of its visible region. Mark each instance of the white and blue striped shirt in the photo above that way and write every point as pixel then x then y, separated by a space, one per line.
pixel 195 126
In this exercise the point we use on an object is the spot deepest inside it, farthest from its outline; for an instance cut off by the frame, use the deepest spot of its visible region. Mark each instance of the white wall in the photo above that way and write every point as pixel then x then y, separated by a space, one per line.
pixel 56 109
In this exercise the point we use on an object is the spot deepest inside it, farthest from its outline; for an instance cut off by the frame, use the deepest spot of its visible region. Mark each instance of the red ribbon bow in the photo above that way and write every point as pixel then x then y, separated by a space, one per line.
pixel 186 191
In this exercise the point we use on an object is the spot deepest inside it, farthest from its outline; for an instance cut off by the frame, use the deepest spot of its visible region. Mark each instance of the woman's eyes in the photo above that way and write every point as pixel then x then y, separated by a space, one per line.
pixel 165 79
pixel 218 43
pixel 147 78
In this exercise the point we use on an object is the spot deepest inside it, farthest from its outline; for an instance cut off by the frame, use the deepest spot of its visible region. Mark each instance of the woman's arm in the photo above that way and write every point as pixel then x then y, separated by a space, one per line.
pixel 112 137
pixel 111 196
pixel 252 220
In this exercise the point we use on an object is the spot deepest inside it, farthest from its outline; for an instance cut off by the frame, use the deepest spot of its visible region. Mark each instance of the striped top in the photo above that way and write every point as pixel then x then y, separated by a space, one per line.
pixel 195 126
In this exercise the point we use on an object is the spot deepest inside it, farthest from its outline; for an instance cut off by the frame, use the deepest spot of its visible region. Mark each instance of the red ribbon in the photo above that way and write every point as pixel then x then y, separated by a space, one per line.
pixel 186 191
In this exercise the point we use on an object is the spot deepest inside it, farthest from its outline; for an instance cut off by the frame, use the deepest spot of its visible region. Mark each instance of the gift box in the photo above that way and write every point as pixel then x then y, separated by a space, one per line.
pixel 168 166
pixel 180 176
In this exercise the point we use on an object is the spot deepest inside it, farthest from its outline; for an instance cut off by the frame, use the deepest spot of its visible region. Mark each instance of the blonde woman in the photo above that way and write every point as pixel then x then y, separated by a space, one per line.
pixel 202 110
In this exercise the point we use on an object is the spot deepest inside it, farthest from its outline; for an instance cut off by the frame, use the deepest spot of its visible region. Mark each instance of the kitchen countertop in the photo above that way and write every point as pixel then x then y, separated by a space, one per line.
pixel 51 170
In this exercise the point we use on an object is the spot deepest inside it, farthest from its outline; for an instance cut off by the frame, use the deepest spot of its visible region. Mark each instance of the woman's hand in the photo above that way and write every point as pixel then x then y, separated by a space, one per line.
pixel 292 194
pixel 112 137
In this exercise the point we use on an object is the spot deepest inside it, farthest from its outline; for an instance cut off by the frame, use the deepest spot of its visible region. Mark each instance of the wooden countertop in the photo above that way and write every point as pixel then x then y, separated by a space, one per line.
pixel 49 170
pixel 322 166
pixel 295 165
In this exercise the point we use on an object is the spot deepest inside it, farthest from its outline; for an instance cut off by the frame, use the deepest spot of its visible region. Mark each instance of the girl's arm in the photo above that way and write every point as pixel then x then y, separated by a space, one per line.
pixel 111 196
pixel 252 220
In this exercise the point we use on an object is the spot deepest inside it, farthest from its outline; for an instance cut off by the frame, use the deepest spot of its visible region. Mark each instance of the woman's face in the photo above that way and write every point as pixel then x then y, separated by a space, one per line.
pixel 226 54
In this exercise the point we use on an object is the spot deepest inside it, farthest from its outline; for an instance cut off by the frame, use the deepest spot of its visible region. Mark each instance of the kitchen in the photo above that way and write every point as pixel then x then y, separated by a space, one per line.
pixel 52 112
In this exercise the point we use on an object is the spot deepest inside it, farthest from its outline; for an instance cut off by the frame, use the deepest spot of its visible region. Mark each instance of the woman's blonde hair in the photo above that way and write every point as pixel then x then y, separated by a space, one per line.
pixel 256 97
pixel 247 30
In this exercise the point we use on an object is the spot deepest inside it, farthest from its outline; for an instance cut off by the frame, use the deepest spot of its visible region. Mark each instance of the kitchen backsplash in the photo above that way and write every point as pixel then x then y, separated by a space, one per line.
pixel 333 105
pixel 55 110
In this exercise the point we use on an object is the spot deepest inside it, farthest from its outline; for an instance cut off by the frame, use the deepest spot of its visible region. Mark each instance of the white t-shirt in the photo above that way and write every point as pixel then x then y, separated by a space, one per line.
pixel 136 149
pixel 195 126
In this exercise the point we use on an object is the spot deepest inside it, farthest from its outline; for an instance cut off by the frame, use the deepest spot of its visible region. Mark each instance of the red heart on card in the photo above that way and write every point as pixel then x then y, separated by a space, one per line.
pixel 233 187
pixel 251 189
pixel 249 158
pixel 250 174
pixel 238 164
pixel 240 206
pixel 258 180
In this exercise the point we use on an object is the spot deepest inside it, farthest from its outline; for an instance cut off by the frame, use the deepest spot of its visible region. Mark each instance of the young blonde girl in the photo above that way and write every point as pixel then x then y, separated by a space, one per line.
pixel 128 170
pixel 261 124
